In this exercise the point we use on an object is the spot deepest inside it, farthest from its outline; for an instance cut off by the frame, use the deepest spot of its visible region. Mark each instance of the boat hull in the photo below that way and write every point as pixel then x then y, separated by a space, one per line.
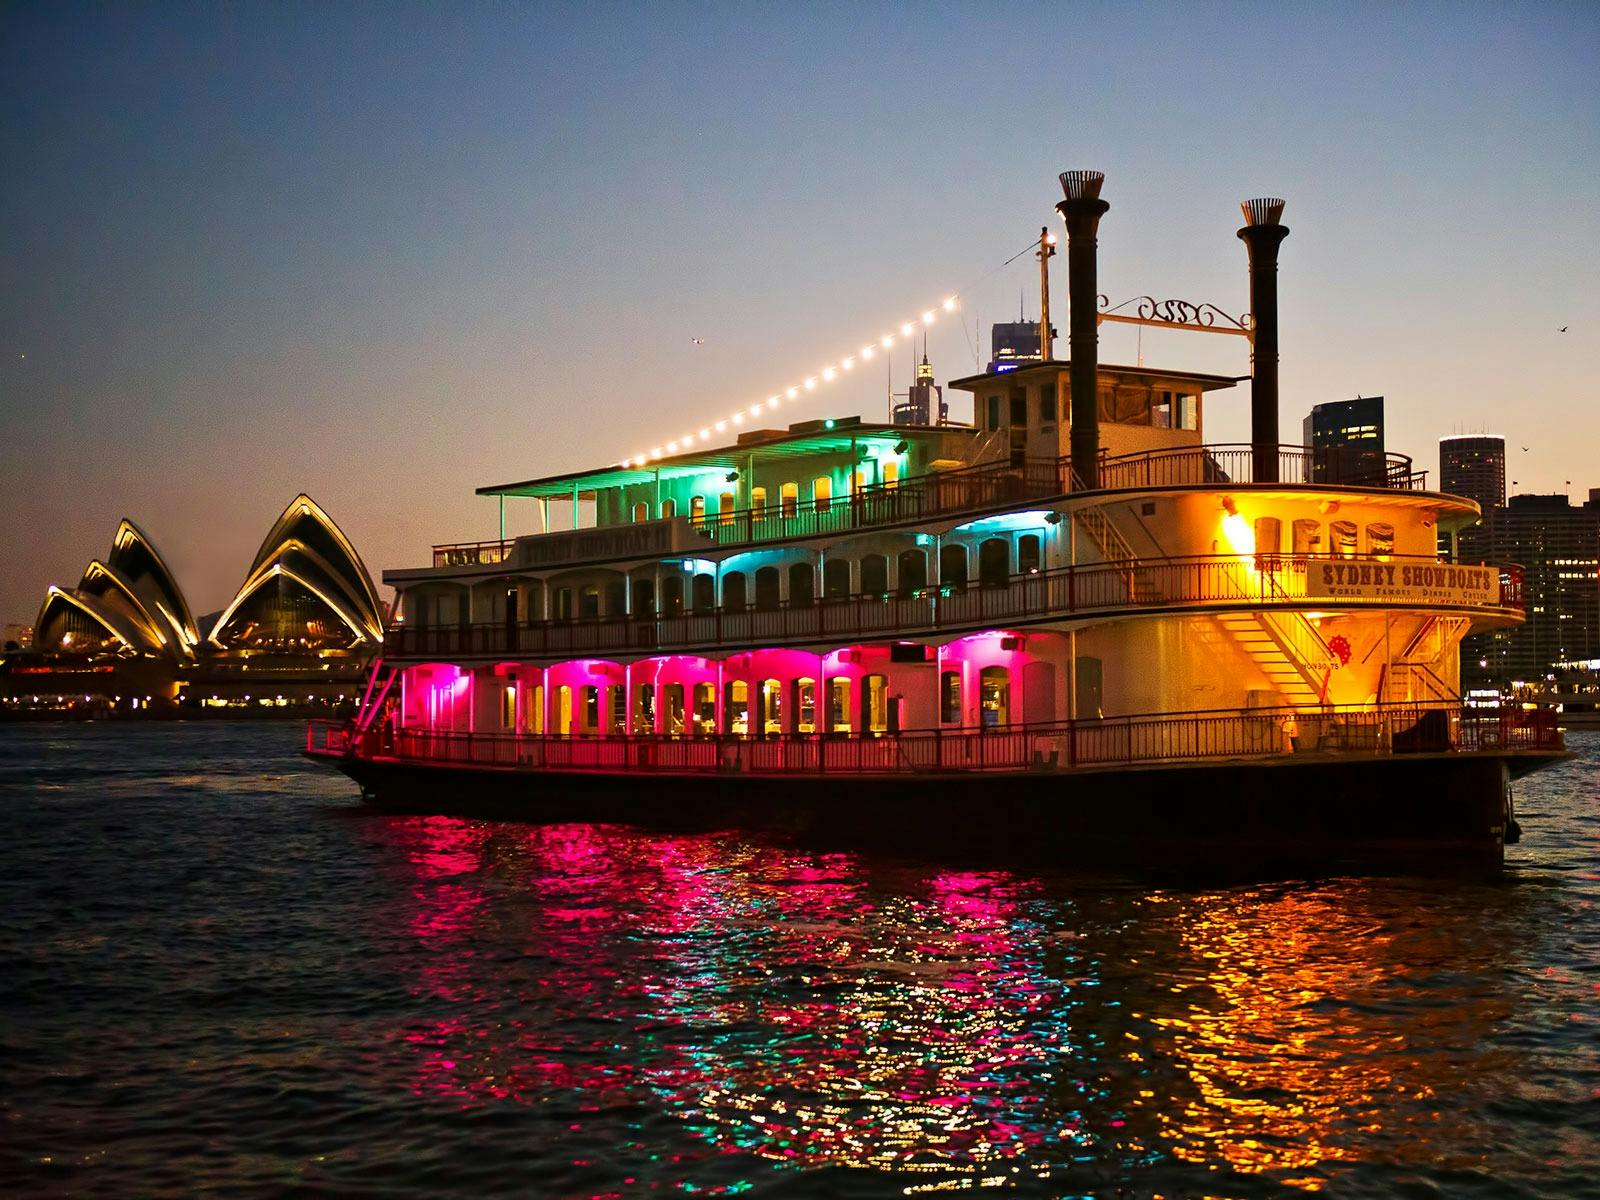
pixel 1428 812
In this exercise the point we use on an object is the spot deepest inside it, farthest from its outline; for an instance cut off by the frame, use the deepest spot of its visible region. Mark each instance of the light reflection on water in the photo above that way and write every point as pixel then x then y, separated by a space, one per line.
pixel 416 1004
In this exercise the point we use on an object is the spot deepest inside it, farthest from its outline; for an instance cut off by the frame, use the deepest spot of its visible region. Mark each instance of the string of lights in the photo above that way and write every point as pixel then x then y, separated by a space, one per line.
pixel 826 374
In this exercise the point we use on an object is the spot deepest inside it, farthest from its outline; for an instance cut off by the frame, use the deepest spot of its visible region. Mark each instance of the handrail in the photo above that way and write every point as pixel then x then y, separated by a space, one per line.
pixel 1234 463
pixel 1217 581
pixel 983 485
pixel 1102 742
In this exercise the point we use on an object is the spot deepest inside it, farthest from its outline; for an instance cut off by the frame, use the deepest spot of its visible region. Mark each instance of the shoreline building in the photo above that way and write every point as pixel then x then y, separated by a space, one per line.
pixel 1474 466
pixel 1345 438
pixel 300 630
pixel 1557 545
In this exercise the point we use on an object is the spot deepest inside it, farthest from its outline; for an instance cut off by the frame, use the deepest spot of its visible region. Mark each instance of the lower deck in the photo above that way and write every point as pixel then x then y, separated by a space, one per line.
pixel 1435 795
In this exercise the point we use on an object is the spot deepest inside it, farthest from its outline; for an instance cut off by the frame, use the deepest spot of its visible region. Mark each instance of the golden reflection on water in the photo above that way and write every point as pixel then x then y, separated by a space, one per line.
pixel 960 1029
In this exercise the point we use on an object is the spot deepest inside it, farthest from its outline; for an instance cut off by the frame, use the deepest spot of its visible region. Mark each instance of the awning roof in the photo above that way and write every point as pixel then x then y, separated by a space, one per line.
pixel 1206 381
pixel 780 444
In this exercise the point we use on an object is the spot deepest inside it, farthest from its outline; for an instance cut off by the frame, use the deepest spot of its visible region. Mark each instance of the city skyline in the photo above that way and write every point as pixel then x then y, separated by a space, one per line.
pixel 388 261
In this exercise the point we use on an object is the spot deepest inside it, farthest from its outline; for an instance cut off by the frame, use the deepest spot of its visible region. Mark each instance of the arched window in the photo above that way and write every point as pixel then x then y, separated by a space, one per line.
pixel 836 578
pixel 822 492
pixel 994 563
pixel 535 717
pixel 912 570
pixel 1269 535
pixel 950 698
pixel 802 584
pixel 1028 554
pixel 733 592
pixel 564 711
pixel 564 610
pixel 736 707
pixel 875 704
pixel 770 698
pixel 644 708
pixel 672 711
pixel 994 697
pixel 616 598
pixel 839 704
pixel 641 511
pixel 616 710
pixel 805 702
pixel 953 567
pixel 704 712
pixel 891 473
pixel 672 595
pixel 589 718
pixel 705 593
pixel 1342 539
pixel 644 597
pixel 697 509
pixel 725 503
pixel 1380 539
pixel 758 502
pixel 767 588
pixel 589 603
pixel 1307 536
pixel 874 575
pixel 669 509
pixel 789 499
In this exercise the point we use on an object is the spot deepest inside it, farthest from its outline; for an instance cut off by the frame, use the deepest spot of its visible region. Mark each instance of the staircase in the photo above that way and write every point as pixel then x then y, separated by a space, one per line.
pixel 378 685
pixel 1412 676
pixel 1288 650
pixel 1115 550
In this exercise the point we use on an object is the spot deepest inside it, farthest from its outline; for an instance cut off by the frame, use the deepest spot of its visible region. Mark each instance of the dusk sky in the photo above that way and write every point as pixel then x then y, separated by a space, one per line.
pixel 389 253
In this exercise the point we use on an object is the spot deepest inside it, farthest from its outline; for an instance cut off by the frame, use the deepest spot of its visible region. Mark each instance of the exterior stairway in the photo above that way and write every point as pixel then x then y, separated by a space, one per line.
pixel 1114 549
pixel 1287 649
pixel 378 685
pixel 1413 676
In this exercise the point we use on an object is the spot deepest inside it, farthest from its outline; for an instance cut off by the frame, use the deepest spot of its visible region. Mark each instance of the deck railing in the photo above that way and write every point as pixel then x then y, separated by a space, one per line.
pixel 1218 581
pixel 1220 465
pixel 472 554
pixel 1121 741
pixel 1005 482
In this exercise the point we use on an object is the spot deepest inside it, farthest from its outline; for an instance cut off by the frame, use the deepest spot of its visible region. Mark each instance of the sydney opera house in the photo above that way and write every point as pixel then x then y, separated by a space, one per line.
pixel 300 630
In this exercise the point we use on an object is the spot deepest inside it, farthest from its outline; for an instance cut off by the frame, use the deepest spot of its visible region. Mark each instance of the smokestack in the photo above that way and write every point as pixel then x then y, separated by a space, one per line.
pixel 1262 235
pixel 1082 210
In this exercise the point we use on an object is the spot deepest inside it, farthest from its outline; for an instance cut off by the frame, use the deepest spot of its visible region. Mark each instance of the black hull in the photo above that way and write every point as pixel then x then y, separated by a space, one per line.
pixel 1427 812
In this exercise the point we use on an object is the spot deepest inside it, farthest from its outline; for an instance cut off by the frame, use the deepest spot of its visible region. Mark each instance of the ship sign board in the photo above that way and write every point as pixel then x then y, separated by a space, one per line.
pixel 1404 583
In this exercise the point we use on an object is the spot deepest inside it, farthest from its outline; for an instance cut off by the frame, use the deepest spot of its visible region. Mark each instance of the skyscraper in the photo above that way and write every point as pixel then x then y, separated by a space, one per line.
pixel 1346 440
pixel 1013 344
pixel 1474 466
pixel 924 403
pixel 1557 544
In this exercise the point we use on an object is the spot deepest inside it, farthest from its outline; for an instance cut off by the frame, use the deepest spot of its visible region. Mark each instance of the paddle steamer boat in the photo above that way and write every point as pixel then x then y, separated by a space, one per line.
pixel 1072 627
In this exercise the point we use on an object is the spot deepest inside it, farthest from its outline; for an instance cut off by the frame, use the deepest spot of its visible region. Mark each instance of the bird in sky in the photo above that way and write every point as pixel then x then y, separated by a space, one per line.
pixel 698 341
pixel 1563 329
pixel 1524 449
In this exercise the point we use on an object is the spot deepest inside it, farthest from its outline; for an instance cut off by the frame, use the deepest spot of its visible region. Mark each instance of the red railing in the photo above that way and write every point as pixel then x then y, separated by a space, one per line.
pixel 1220 465
pixel 1005 482
pixel 1122 741
pixel 919 498
pixel 1220 581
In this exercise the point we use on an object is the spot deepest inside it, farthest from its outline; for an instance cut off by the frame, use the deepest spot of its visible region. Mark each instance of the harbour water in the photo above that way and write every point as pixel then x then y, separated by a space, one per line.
pixel 219 974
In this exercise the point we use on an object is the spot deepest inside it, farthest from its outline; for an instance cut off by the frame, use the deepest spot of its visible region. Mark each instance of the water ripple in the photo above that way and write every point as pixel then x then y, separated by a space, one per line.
pixel 218 974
